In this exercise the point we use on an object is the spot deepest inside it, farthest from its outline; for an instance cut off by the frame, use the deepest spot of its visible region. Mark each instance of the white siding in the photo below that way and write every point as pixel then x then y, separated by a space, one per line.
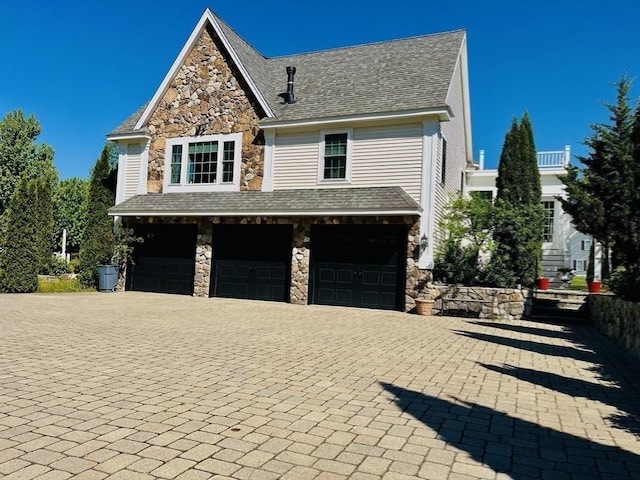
pixel 132 170
pixel 454 132
pixel 295 161
pixel 381 156
pixel 388 156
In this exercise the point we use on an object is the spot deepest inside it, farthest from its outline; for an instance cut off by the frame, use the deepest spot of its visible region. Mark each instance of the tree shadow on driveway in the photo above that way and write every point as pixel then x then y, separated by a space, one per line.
pixel 618 372
pixel 519 448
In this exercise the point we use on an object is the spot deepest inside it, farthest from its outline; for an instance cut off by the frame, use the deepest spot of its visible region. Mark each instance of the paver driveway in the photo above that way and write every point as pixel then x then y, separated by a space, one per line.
pixel 133 385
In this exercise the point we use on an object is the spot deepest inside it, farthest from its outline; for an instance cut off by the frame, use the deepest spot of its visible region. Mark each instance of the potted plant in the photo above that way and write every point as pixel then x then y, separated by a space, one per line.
pixel 425 301
pixel 593 286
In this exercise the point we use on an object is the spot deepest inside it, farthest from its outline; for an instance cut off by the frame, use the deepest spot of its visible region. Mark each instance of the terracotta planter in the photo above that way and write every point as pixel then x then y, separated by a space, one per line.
pixel 594 287
pixel 542 283
pixel 424 307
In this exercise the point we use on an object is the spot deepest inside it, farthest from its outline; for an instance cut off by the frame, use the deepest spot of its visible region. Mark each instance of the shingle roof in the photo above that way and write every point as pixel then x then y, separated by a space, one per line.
pixel 363 201
pixel 393 76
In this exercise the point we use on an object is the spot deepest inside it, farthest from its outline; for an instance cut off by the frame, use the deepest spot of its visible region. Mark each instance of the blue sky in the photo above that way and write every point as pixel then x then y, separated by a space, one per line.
pixel 83 66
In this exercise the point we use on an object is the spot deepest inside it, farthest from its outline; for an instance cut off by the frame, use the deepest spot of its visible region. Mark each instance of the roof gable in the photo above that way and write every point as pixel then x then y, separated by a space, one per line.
pixel 207 19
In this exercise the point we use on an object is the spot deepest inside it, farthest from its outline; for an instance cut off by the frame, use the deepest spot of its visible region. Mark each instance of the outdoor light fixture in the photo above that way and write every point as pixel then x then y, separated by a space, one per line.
pixel 424 241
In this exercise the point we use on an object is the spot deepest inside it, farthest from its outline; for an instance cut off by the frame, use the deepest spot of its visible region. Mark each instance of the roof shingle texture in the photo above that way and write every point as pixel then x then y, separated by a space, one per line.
pixel 385 77
pixel 303 202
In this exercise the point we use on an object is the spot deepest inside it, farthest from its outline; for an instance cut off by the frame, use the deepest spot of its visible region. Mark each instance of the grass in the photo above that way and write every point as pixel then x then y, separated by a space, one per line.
pixel 578 283
pixel 61 286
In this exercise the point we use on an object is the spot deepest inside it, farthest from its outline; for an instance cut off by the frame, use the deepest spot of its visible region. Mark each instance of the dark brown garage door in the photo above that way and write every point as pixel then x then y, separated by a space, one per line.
pixel 358 265
pixel 165 261
pixel 252 262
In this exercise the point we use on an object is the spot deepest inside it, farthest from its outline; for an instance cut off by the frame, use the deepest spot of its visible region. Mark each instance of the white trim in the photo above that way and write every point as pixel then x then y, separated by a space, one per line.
pixel 184 186
pixel 261 213
pixel 207 16
pixel 443 159
pixel 444 115
pixel 122 166
pixel 128 137
pixel 430 131
pixel 321 144
pixel 269 142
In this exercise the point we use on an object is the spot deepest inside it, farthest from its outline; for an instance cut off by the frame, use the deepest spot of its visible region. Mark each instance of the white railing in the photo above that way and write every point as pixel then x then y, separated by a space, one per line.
pixel 558 158
pixel 551 159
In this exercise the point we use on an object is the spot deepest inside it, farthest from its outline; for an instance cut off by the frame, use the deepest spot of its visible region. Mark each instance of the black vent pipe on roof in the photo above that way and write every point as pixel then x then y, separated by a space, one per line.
pixel 289 97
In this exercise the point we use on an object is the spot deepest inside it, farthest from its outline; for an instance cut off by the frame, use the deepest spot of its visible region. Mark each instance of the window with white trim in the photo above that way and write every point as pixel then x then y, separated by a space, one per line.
pixel 334 163
pixel 585 245
pixel 206 163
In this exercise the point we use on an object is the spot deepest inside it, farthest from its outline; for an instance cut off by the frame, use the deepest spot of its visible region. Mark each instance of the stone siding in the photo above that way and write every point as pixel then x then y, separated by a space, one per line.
pixel 207 97
pixel 617 319
pixel 491 303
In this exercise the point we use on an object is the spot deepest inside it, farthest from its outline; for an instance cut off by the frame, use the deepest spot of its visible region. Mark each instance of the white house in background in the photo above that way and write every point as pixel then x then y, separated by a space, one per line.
pixel 564 246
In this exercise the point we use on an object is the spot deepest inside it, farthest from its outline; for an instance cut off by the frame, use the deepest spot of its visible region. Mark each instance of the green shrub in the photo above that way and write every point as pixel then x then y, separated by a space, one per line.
pixel 624 284
pixel 57 267
pixel 60 286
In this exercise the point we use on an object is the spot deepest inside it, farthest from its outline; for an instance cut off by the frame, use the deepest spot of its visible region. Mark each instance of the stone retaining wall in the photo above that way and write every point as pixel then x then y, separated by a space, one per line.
pixel 617 319
pixel 491 303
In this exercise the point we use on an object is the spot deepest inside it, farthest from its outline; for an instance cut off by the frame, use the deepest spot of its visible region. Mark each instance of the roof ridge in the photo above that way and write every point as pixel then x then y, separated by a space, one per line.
pixel 367 44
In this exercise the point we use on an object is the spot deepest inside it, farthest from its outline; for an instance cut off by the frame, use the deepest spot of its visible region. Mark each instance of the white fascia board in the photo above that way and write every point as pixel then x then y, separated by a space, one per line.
pixel 265 213
pixel 128 136
pixel 207 17
pixel 443 114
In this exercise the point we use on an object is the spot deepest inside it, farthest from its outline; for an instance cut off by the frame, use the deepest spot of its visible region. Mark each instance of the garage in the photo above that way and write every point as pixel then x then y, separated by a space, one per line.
pixel 251 262
pixel 358 265
pixel 165 261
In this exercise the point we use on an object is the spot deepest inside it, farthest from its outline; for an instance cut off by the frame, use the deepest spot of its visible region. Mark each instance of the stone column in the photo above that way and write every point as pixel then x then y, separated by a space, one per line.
pixel 203 259
pixel 300 263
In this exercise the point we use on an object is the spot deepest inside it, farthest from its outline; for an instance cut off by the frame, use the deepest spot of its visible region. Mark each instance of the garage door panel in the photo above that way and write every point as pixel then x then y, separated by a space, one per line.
pixel 358 265
pixel 251 261
pixel 165 261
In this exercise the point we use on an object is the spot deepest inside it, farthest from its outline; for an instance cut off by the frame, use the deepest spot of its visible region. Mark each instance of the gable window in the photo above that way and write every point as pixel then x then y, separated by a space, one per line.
pixel 585 245
pixel 335 156
pixel 548 208
pixel 443 164
pixel 206 163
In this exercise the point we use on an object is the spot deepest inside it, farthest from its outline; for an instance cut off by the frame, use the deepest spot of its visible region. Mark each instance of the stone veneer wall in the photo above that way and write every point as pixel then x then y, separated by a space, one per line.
pixel 206 98
pixel 300 249
pixel 617 319
pixel 497 303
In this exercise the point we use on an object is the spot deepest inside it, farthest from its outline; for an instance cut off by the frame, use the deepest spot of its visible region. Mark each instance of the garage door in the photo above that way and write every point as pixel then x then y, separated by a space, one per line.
pixel 358 265
pixel 165 260
pixel 252 261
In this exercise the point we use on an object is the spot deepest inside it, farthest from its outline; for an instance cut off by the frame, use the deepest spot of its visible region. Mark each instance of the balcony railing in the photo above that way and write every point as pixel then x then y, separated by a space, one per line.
pixel 551 159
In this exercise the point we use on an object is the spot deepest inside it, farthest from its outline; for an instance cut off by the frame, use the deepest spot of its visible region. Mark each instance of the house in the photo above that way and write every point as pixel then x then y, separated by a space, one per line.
pixel 311 178
pixel 563 246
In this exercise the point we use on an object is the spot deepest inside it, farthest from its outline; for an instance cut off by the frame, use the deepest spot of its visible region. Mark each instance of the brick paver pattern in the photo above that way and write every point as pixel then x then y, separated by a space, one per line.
pixel 142 386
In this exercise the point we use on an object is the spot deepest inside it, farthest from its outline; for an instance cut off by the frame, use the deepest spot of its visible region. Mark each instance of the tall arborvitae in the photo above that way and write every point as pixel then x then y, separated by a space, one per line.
pixel 20 258
pixel 43 218
pixel 518 217
pixel 98 239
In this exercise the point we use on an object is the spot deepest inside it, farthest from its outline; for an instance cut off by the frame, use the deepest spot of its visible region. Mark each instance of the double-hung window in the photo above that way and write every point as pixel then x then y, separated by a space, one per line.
pixel 549 210
pixel 206 163
pixel 334 163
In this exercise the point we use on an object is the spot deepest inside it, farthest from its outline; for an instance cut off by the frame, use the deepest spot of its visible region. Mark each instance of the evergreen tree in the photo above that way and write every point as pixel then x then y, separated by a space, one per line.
pixel 603 196
pixel 98 239
pixel 43 219
pixel 19 259
pixel 518 212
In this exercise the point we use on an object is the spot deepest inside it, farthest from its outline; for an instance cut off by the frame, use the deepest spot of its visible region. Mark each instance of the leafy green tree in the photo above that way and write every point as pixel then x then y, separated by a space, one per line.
pixel 19 260
pixel 466 224
pixel 20 154
pixel 69 211
pixel 518 214
pixel 98 239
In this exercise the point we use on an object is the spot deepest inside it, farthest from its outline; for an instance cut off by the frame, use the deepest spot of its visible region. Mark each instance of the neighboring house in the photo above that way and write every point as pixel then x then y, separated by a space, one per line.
pixel 311 178
pixel 562 242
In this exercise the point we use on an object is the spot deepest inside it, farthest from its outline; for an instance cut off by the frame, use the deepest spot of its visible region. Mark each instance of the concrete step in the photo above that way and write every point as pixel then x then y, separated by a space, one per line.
pixel 554 311
pixel 561 319
pixel 561 303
